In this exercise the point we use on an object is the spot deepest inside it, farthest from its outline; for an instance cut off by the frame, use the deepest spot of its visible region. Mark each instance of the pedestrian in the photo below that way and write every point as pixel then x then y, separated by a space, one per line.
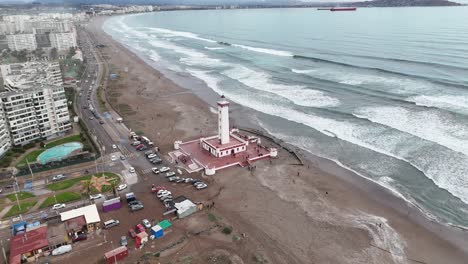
pixel 297 173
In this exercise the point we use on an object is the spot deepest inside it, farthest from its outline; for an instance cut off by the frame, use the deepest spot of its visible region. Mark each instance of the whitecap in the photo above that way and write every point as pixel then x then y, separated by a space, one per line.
pixel 266 51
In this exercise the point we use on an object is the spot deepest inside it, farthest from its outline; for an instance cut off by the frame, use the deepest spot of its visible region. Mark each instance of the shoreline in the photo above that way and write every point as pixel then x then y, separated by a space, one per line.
pixel 371 190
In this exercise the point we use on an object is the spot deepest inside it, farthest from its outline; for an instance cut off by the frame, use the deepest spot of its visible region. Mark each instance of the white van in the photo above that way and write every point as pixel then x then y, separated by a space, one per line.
pixel 61 250
pixel 136 143
pixel 111 223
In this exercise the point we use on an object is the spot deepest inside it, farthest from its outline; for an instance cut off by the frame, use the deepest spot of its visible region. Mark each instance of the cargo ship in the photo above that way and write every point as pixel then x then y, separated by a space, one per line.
pixel 343 9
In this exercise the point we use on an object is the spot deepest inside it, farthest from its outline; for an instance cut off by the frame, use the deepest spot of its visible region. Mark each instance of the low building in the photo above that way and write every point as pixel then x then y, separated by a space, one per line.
pixel 29 245
pixel 81 219
pixel 185 208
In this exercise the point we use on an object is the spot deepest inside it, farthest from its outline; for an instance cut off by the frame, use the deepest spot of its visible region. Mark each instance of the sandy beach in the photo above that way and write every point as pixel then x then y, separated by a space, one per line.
pixel 316 213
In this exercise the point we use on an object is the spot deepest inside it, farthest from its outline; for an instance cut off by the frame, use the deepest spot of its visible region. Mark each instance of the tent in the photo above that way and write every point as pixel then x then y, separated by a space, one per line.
pixel 164 224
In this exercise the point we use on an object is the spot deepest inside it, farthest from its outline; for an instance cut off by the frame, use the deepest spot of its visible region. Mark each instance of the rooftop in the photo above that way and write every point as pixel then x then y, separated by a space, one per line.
pixel 215 142
pixel 27 242
pixel 90 213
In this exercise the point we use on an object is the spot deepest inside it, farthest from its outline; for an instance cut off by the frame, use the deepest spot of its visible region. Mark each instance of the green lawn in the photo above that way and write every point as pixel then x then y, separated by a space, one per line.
pixel 65 184
pixel 25 206
pixel 21 196
pixel 31 157
pixel 61 198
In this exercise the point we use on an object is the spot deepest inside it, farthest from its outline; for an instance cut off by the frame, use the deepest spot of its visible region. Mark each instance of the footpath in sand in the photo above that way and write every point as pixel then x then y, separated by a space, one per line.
pixel 289 214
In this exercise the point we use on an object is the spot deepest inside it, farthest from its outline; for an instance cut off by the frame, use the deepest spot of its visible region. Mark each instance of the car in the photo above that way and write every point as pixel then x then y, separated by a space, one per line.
pixel 139 146
pixel 146 223
pixel 61 250
pixel 131 170
pixel 136 207
pixel 159 195
pixel 155 170
pixel 188 180
pixel 114 146
pixel 165 197
pixel 136 143
pixel 156 161
pixel 195 183
pixel 164 169
pixel 122 187
pixel 201 186
pixel 173 179
pixel 102 123
pixel 139 228
pixel 91 118
pixel 151 156
pixel 1 190
pixel 58 206
pixel 123 241
pixel 122 157
pixel 180 180
pixel 135 202
pixel 162 190
pixel 58 177
pixel 79 236
pixel 132 233
pixel 142 148
pixel 166 200
pixel 113 158
pixel 95 196
pixel 170 174
pixel 149 152
pixel 9 186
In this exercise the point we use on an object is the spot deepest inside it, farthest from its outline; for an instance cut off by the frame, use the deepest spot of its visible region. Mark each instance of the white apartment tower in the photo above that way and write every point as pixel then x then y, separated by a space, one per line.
pixel 5 141
pixel 223 121
pixel 63 41
pixel 35 113
pixel 22 41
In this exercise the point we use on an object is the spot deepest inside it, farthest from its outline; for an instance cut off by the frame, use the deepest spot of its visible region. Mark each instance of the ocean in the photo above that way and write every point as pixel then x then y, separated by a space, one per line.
pixel 380 91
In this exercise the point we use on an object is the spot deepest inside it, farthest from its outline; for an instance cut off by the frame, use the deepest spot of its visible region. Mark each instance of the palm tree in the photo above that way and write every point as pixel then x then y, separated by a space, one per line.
pixel 113 185
pixel 86 187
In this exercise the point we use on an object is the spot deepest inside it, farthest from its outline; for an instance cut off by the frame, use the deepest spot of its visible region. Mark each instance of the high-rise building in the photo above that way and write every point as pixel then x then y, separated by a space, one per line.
pixel 5 141
pixel 22 42
pixel 30 74
pixel 37 113
pixel 63 41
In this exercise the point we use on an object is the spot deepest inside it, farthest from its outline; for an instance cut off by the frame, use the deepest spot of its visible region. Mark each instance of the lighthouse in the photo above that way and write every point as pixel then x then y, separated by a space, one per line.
pixel 223 120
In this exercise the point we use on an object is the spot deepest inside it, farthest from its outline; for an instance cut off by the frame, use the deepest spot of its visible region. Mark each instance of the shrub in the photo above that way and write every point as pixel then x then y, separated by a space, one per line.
pixel 227 230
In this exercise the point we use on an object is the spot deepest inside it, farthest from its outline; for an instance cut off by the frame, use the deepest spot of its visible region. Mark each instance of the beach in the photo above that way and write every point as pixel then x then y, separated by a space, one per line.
pixel 316 213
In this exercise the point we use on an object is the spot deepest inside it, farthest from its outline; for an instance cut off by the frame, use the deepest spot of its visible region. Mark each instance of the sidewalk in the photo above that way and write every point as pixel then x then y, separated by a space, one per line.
pixel 36 206
pixel 5 211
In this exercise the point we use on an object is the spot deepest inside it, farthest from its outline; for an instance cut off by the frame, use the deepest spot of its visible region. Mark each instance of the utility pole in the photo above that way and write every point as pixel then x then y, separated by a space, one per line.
pixel 32 174
pixel 16 193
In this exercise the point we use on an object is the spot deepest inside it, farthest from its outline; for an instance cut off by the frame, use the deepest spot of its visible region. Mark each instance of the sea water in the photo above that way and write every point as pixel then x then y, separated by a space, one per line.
pixel 381 91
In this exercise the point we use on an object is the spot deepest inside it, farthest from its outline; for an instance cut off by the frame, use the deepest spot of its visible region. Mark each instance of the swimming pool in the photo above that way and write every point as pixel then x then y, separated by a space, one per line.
pixel 59 152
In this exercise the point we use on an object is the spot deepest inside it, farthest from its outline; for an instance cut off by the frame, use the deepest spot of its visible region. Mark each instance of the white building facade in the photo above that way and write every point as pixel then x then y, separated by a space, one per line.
pixel 22 42
pixel 63 41
pixel 5 141
pixel 39 113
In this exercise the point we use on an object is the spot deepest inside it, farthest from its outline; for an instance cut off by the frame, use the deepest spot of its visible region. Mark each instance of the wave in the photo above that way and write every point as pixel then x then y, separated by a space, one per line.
pixel 175 33
pixel 214 48
pixel 303 71
pixel 454 103
pixel 433 80
pixel 266 51
pixel 430 125
pixel 299 95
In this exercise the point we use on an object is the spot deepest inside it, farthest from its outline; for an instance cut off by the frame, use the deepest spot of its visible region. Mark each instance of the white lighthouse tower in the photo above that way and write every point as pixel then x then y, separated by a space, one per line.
pixel 223 120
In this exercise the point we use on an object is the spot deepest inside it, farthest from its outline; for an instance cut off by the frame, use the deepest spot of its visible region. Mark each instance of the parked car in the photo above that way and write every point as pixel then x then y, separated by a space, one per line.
pixel 95 196
pixel 142 148
pixel 146 223
pixel 123 241
pixel 9 186
pixel 132 233
pixel 102 123
pixel 61 250
pixel 151 156
pixel 180 180
pixel 110 223
pixel 166 200
pixel 188 180
pixel 79 236
pixel 165 197
pixel 122 157
pixel 164 169
pixel 140 145
pixel 201 186
pixel 113 158
pixel 135 202
pixel 114 146
pixel 139 228
pixel 122 187
pixel 156 161
pixel 196 182
pixel 58 177
pixel 170 174
pixel 162 192
pixel 173 179
pixel 58 206
pixel 136 207
pixel 136 143
pixel 149 152
pixel 131 170
pixel 155 170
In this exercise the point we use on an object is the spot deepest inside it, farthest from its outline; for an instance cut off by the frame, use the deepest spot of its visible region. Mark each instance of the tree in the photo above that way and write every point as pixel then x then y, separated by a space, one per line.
pixel 86 187
pixel 71 52
pixel 113 185
pixel 54 54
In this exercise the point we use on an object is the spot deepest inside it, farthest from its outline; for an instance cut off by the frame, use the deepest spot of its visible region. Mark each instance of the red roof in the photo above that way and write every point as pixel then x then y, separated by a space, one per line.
pixel 24 243
pixel 115 252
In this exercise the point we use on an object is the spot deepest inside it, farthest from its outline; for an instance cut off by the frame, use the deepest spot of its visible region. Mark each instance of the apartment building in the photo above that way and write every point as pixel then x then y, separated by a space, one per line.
pixel 30 74
pixel 22 42
pixel 63 40
pixel 5 141
pixel 37 113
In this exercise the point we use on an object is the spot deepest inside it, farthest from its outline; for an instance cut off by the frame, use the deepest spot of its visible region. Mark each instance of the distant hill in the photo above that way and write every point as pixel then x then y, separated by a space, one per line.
pixel 396 3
